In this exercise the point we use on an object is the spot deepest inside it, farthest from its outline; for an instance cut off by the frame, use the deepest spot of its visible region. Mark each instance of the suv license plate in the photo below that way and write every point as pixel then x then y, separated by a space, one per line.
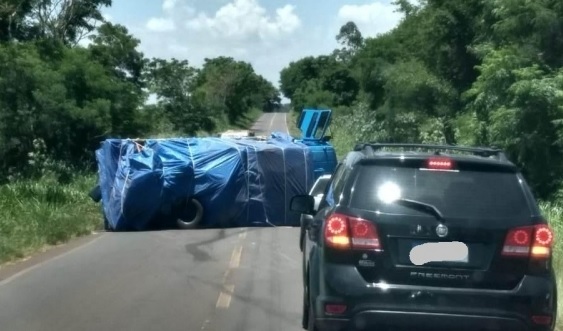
pixel 442 252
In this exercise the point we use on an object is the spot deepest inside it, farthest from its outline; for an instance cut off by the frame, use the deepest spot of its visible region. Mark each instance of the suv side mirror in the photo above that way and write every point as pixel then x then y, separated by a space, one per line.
pixel 304 204
pixel 327 138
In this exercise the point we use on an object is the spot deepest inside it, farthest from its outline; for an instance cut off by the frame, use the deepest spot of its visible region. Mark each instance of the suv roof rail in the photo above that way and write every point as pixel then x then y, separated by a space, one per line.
pixel 369 149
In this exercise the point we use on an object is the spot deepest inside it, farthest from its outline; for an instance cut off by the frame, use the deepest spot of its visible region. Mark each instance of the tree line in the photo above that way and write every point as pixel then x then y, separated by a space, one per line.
pixel 474 72
pixel 59 98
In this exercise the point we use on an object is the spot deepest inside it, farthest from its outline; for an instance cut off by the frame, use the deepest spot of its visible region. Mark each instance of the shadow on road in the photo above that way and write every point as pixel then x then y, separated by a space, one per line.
pixel 253 302
pixel 200 255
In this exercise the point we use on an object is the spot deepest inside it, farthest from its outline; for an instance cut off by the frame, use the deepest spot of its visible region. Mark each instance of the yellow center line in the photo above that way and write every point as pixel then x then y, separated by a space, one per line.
pixel 224 300
pixel 235 257
pixel 225 296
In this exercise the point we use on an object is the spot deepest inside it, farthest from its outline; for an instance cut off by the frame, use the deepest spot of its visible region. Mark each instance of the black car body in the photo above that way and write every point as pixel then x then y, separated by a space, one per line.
pixel 317 192
pixel 427 240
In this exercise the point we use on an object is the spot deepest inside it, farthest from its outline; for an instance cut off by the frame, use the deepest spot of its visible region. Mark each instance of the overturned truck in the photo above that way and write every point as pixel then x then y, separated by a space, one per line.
pixel 202 182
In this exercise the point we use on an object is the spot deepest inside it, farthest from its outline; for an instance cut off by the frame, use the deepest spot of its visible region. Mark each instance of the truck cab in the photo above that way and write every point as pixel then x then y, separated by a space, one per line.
pixel 314 124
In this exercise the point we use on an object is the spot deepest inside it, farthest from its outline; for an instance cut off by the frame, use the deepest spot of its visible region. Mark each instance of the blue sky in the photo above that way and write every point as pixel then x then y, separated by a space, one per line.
pixel 267 33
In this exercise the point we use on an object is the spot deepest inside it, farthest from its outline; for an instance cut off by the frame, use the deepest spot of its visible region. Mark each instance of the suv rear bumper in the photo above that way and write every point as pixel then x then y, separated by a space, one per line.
pixel 379 319
pixel 410 307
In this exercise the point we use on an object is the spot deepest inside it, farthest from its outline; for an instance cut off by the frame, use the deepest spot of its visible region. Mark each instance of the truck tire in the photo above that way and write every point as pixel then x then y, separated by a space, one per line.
pixel 191 205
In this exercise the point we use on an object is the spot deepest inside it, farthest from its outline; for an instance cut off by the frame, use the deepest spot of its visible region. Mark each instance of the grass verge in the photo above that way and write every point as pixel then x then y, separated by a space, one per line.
pixel 36 214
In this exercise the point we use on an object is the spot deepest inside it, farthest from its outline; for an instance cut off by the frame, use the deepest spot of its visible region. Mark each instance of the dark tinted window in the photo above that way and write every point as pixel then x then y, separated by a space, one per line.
pixel 321 126
pixel 329 197
pixel 465 194
pixel 320 187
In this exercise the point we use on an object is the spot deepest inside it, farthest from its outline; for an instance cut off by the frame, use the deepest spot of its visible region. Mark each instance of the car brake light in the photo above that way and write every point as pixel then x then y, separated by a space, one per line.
pixel 342 231
pixel 535 241
pixel 335 309
pixel 542 319
pixel 440 163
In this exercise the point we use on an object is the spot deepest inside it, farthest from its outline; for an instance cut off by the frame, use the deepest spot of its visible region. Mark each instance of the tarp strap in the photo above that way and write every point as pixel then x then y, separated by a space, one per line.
pixel 115 177
pixel 123 190
pixel 226 141
pixel 262 192
pixel 113 189
pixel 191 155
pixel 248 184
pixel 284 186
pixel 139 146
pixel 306 170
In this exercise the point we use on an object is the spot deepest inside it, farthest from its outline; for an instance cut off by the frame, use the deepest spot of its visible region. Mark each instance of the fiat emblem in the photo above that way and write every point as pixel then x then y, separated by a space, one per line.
pixel 442 230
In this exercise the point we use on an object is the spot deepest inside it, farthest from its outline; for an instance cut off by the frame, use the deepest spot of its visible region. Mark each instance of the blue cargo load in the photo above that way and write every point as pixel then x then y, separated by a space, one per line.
pixel 314 124
pixel 238 182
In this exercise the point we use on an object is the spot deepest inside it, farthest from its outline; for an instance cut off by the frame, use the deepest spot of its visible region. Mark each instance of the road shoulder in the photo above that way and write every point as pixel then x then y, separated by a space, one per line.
pixel 13 269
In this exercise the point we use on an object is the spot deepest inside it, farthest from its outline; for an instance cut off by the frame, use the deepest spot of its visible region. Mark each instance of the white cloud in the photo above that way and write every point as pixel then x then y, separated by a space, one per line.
pixel 244 20
pixel 158 24
pixel 168 5
pixel 255 31
pixel 242 29
pixel 372 19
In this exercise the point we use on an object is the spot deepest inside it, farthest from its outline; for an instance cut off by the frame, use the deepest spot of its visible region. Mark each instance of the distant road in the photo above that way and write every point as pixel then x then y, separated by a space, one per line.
pixel 245 279
pixel 271 122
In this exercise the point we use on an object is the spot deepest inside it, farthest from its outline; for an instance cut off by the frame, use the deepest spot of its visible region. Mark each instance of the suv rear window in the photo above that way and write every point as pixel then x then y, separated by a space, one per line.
pixel 464 194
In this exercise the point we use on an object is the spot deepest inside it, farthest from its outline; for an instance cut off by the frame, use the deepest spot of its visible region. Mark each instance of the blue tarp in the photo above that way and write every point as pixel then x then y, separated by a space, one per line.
pixel 239 182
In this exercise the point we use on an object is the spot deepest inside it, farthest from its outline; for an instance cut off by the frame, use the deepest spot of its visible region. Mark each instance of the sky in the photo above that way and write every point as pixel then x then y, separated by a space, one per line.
pixel 267 33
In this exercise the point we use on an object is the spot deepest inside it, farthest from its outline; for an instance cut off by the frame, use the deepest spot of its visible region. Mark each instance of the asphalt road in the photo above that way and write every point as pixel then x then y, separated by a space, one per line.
pixel 270 122
pixel 245 279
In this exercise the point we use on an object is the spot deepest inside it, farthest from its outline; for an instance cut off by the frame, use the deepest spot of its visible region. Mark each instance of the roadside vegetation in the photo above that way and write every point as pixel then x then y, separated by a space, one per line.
pixel 471 72
pixel 291 119
pixel 68 80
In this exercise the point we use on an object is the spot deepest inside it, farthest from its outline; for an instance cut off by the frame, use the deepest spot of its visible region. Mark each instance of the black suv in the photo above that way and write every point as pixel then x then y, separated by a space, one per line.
pixel 427 238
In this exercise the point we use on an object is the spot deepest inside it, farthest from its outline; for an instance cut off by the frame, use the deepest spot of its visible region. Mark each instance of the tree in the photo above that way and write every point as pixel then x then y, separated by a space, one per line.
pixel 13 15
pixel 67 21
pixel 319 81
pixel 231 89
pixel 173 82
pixel 351 39
pixel 116 49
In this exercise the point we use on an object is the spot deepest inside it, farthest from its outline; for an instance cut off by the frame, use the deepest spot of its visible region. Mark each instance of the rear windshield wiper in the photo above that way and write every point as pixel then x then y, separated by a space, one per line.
pixel 421 206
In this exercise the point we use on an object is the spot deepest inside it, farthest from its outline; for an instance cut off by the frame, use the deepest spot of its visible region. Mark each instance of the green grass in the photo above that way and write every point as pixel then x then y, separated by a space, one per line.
pixel 36 214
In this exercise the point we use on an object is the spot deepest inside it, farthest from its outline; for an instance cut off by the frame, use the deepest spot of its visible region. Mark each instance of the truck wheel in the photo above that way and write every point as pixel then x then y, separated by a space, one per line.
pixel 193 207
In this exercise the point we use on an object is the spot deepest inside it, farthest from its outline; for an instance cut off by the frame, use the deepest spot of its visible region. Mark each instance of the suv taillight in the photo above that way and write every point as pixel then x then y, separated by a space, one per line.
pixel 344 232
pixel 535 241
